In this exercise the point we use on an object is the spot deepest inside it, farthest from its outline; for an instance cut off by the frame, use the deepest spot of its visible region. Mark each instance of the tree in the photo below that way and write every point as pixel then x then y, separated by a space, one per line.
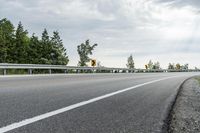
pixel 58 53
pixel 178 66
pixel 6 41
pixel 185 66
pixel 21 44
pixel 130 62
pixel 84 50
pixel 18 47
pixel 34 50
pixel 171 66
pixel 156 65
pixel 150 65
pixel 46 47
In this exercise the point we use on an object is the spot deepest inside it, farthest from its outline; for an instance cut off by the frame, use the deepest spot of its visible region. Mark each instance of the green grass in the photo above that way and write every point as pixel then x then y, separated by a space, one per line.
pixel 198 79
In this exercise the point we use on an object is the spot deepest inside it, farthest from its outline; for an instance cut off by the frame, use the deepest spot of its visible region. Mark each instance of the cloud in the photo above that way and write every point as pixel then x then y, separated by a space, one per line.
pixel 182 3
pixel 144 28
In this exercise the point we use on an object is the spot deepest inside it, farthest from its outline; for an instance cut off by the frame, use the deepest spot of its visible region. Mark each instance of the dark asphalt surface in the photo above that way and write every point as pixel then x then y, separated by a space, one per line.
pixel 141 110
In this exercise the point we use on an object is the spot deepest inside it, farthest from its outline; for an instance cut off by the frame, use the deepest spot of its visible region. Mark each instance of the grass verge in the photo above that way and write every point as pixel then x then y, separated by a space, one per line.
pixel 198 79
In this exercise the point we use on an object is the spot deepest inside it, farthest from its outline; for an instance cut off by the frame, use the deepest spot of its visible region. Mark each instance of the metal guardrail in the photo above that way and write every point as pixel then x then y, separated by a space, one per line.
pixel 31 67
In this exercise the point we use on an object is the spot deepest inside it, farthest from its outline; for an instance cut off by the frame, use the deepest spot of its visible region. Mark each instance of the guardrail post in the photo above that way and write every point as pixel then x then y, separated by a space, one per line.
pixel 77 71
pixel 30 71
pixel 49 71
pixel 94 71
pixel 4 72
pixel 65 71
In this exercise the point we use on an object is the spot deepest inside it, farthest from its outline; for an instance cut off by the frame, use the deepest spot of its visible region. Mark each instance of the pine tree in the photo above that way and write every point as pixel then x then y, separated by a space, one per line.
pixel 21 45
pixel 6 41
pixel 150 65
pixel 171 66
pixel 156 65
pixel 34 50
pixel 18 47
pixel 58 53
pixel 130 62
pixel 46 48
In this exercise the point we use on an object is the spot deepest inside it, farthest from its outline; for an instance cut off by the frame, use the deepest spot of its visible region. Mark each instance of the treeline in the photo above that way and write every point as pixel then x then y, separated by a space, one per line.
pixel 16 46
pixel 156 65
pixel 131 64
pixel 178 66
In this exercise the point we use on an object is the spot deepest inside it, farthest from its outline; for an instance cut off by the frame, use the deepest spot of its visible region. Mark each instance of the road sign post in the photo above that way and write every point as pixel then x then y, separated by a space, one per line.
pixel 93 64
pixel 4 72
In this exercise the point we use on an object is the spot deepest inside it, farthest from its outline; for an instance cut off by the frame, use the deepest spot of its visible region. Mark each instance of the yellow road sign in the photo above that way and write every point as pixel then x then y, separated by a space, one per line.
pixel 146 66
pixel 93 63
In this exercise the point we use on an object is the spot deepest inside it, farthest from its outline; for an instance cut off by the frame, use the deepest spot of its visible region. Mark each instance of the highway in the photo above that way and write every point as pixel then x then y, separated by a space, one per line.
pixel 88 103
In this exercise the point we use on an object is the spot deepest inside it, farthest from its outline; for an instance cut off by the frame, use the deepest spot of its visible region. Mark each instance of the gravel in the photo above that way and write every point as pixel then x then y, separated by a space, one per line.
pixel 185 116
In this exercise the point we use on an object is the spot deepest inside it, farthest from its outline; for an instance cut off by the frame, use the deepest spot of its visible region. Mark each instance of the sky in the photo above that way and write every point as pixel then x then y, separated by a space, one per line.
pixel 157 30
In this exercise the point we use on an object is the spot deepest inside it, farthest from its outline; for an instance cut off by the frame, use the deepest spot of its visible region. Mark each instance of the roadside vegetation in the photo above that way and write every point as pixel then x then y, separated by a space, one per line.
pixel 17 46
pixel 185 116
pixel 198 79
pixel 84 50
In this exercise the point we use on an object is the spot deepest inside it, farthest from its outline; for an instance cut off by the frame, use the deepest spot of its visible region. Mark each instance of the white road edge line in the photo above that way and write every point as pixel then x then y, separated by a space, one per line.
pixel 65 109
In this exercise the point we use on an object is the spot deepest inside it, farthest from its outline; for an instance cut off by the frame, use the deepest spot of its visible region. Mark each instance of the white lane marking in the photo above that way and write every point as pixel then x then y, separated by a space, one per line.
pixel 65 109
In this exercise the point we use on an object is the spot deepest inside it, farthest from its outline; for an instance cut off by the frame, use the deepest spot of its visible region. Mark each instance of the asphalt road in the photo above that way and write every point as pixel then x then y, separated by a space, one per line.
pixel 90 103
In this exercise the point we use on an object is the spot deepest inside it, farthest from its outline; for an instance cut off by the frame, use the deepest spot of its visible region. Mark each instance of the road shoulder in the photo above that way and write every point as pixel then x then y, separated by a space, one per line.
pixel 185 115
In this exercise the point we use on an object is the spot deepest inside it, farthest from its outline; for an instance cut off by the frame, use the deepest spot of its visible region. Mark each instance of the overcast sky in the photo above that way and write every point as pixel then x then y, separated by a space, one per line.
pixel 160 30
